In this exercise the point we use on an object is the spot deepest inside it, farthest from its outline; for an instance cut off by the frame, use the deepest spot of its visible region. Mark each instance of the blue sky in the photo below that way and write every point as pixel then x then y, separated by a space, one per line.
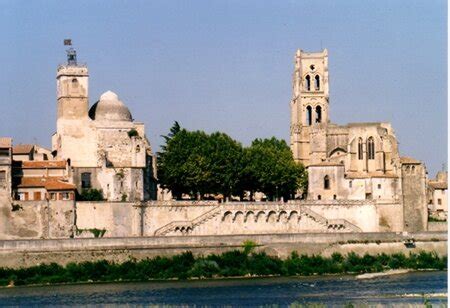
pixel 227 65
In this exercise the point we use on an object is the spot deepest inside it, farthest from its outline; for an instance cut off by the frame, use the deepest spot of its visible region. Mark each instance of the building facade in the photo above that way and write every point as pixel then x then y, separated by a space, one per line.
pixel 357 161
pixel 106 149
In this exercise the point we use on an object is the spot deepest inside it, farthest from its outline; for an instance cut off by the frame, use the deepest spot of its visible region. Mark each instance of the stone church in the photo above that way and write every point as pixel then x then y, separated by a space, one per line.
pixel 357 161
pixel 105 148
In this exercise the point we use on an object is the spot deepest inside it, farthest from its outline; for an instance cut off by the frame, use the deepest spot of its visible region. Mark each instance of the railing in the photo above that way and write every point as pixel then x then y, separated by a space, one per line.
pixel 188 223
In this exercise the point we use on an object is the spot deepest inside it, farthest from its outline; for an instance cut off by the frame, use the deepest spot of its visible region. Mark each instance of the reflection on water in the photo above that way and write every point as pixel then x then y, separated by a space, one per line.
pixel 404 289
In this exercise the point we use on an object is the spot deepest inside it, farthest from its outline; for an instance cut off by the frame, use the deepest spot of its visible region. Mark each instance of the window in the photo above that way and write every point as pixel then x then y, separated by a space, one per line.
pixel 4 152
pixel 370 148
pixel 318 114
pixel 317 83
pixel 65 196
pixel 308 83
pixel 350 184
pixel 2 176
pixel 379 186
pixel 360 149
pixel 319 197
pixel 86 180
pixel 138 149
pixel 439 201
pixel 52 196
pixel 309 115
pixel 334 197
pixel 326 182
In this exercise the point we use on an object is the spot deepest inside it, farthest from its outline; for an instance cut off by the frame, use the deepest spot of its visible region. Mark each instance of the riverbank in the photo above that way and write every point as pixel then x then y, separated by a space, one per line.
pixel 236 263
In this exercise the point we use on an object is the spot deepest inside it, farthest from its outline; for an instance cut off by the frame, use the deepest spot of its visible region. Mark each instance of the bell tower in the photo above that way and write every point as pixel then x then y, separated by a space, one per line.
pixel 309 104
pixel 72 88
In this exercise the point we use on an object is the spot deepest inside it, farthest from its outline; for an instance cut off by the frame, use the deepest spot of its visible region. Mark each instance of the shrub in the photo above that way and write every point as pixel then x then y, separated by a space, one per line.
pixel 91 194
pixel 133 133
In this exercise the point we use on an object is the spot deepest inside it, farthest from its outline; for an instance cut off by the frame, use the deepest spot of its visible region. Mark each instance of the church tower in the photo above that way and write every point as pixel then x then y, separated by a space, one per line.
pixel 309 104
pixel 72 88
pixel 75 136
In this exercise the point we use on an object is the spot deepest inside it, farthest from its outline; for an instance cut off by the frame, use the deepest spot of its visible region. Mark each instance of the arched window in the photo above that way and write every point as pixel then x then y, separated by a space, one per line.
pixel 309 115
pixel 308 83
pixel 318 114
pixel 317 82
pixel 360 149
pixel 326 182
pixel 370 148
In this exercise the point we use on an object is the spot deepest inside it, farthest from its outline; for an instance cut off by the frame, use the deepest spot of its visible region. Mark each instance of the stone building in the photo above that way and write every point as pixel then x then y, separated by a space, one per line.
pixel 437 194
pixel 104 146
pixel 357 161
pixel 36 180
pixel 5 165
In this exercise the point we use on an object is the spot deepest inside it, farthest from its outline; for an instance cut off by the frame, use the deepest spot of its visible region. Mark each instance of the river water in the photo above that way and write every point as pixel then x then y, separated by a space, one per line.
pixel 403 289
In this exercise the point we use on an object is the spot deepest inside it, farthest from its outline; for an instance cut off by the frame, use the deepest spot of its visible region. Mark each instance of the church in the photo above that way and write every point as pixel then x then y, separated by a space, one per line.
pixel 103 145
pixel 357 161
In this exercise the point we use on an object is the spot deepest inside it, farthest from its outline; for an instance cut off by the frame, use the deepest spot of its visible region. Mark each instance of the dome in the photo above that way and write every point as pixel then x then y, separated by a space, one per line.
pixel 110 108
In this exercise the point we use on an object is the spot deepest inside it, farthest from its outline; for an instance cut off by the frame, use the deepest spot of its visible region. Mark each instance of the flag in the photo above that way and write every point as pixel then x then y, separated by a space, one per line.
pixel 67 42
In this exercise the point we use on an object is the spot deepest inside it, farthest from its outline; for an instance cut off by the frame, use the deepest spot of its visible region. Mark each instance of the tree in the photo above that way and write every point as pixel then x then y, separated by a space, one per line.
pixel 197 163
pixel 272 169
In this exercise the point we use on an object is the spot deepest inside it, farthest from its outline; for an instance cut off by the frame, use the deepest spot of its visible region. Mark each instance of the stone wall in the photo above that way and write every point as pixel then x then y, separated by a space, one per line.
pixel 36 219
pixel 23 253
pixel 64 219
pixel 437 226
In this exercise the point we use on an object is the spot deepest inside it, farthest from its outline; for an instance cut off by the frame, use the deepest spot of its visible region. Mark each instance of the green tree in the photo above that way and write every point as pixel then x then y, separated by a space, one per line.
pixel 197 163
pixel 272 170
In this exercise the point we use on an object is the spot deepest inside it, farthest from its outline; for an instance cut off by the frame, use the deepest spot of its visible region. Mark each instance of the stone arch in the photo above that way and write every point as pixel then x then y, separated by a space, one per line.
pixel 337 150
pixel 282 217
pixel 239 217
pixel 260 216
pixel 249 216
pixel 271 217
pixel 293 217
pixel 227 216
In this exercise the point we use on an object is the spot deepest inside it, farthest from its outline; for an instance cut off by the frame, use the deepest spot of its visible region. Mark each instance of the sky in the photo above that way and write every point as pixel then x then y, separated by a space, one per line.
pixel 227 65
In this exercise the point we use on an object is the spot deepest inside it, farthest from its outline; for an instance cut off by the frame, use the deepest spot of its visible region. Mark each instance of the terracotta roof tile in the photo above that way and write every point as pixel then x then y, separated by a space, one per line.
pixel 5 142
pixel 409 160
pixel 49 183
pixel 438 185
pixel 23 148
pixel 40 164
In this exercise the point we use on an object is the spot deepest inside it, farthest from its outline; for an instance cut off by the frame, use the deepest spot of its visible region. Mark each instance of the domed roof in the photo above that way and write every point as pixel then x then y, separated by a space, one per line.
pixel 110 108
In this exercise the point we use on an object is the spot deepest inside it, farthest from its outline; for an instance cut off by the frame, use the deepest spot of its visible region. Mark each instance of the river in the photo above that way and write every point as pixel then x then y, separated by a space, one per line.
pixel 279 292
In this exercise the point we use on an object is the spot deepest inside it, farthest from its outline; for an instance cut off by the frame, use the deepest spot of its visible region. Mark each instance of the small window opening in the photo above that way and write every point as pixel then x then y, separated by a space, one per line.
pixel 319 197
pixel 326 182
pixel 439 201
pixel 308 83
pixel 379 186
pixel 350 184
pixel 318 114
pixel 317 83
pixel 334 197
pixel 309 115
pixel 360 149
pixel 370 148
